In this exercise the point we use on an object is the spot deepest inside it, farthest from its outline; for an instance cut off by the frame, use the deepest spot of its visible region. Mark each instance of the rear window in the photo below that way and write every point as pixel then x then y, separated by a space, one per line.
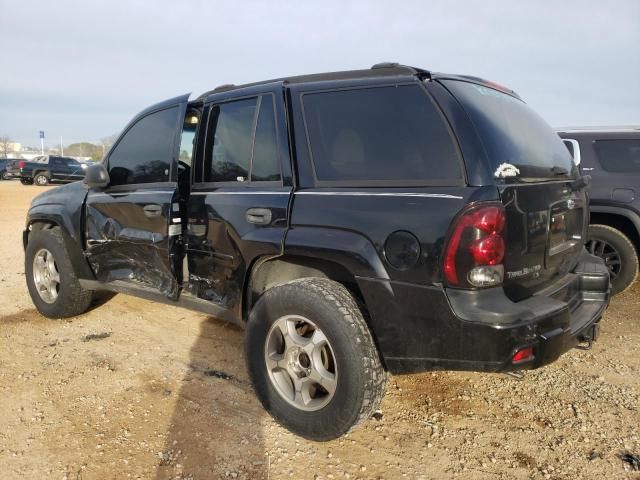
pixel 619 156
pixel 393 135
pixel 512 133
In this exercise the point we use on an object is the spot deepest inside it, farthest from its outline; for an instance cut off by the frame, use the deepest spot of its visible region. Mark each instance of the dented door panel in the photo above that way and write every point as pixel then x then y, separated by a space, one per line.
pixel 130 236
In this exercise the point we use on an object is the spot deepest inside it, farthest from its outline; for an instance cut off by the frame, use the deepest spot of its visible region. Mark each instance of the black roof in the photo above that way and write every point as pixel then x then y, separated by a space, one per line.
pixel 379 70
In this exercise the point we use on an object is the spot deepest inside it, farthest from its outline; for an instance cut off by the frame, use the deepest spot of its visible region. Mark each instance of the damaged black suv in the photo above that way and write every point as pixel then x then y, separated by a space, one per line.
pixel 355 223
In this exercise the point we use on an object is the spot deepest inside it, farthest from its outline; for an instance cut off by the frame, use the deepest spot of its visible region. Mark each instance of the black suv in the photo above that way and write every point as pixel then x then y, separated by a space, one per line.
pixel 355 223
pixel 611 156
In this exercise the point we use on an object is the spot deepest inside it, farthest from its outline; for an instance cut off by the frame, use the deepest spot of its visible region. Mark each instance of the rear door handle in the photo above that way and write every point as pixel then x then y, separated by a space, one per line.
pixel 152 210
pixel 259 216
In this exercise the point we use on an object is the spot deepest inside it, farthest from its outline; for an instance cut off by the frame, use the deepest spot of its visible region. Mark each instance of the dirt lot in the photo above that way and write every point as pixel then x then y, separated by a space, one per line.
pixel 134 389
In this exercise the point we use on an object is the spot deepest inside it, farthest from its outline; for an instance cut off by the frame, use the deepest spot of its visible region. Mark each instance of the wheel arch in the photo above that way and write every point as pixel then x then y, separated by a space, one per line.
pixel 268 272
pixel 47 216
pixel 622 219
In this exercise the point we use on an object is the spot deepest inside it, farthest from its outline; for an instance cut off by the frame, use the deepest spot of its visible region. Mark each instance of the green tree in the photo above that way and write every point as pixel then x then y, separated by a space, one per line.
pixel 84 149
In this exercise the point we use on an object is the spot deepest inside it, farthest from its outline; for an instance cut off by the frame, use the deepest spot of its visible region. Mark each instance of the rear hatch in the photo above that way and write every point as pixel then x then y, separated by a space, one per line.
pixel 545 203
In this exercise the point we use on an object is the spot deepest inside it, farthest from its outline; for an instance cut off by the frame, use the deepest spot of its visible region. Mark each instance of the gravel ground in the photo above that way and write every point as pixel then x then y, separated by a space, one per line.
pixel 134 389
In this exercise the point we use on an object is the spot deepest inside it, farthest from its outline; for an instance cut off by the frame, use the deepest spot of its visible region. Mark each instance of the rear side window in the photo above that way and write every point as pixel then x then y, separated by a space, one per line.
pixel 146 151
pixel 619 156
pixel 244 145
pixel 393 135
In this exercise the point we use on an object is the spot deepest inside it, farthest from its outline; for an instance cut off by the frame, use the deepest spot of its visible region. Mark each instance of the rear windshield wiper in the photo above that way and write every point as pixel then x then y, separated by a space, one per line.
pixel 559 171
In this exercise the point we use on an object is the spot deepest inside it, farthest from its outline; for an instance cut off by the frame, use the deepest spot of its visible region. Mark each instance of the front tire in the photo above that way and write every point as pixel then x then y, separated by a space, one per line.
pixel 312 359
pixel 51 280
pixel 41 180
pixel 619 255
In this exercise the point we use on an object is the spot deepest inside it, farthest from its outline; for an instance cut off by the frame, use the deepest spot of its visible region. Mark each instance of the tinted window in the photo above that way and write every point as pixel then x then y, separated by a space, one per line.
pixel 265 165
pixel 511 132
pixel 145 153
pixel 619 156
pixel 569 146
pixel 230 154
pixel 387 133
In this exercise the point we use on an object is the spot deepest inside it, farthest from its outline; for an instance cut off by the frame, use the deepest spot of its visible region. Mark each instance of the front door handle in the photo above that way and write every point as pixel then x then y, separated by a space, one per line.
pixel 259 216
pixel 152 210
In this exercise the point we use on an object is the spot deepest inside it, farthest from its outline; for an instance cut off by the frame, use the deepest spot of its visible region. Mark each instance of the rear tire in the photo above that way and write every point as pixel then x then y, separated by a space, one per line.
pixel 41 179
pixel 619 254
pixel 54 289
pixel 342 355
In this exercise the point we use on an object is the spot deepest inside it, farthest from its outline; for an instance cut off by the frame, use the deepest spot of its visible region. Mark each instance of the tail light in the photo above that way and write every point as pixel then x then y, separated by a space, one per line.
pixel 21 164
pixel 473 255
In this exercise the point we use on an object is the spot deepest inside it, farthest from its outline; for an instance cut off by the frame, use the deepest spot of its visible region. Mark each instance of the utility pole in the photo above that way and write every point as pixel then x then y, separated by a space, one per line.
pixel 61 147
pixel 42 142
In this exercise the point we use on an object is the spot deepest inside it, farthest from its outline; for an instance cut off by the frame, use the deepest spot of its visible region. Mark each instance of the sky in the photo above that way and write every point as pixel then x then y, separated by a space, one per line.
pixel 81 69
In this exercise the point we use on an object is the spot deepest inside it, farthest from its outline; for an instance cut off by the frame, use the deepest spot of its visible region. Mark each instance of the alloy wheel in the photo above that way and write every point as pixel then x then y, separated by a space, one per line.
pixel 300 363
pixel 46 276
pixel 608 253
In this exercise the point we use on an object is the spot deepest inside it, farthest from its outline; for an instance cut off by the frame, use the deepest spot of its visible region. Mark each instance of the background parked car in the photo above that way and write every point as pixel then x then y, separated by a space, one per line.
pixel 9 168
pixel 49 168
pixel 611 155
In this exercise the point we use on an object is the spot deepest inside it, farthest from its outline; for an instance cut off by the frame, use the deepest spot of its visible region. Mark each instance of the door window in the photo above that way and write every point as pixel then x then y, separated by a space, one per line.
pixel 265 166
pixel 146 151
pixel 244 146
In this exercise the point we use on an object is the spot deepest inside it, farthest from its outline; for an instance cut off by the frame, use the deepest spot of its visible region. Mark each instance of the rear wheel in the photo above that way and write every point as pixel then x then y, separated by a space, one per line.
pixel 41 179
pixel 51 280
pixel 618 253
pixel 5 176
pixel 312 359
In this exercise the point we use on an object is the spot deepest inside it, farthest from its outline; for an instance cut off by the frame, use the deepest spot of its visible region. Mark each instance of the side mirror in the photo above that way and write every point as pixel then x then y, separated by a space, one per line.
pixel 96 176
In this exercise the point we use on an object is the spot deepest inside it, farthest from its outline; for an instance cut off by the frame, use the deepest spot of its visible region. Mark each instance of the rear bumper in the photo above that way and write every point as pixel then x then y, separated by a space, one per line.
pixel 448 329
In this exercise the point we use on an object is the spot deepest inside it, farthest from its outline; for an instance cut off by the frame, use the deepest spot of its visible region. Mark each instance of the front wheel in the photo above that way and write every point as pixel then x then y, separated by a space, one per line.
pixel 51 280
pixel 312 359
pixel 619 255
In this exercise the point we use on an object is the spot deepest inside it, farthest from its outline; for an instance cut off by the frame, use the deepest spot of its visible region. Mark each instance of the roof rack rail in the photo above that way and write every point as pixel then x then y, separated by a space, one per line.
pixel 420 72
pixel 226 86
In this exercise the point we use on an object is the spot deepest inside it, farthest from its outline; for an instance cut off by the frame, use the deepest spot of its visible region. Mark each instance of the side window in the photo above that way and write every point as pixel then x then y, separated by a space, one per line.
pixel 265 166
pixel 569 145
pixel 380 134
pixel 245 147
pixel 619 156
pixel 230 154
pixel 187 138
pixel 146 151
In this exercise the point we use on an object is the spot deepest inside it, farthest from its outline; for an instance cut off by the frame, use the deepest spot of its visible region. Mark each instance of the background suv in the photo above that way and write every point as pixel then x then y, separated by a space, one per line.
pixel 611 155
